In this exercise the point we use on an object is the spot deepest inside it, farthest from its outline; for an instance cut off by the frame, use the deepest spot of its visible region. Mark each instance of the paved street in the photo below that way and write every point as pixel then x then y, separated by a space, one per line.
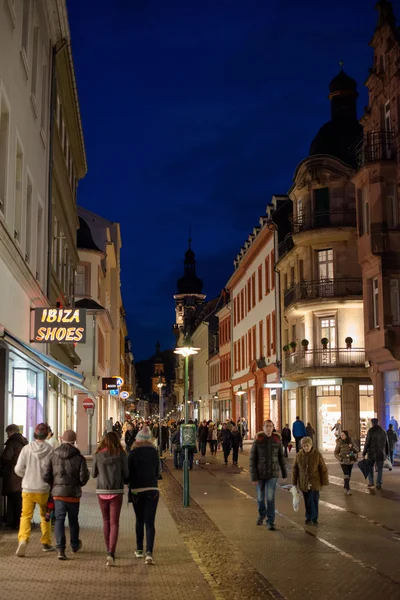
pixel 214 550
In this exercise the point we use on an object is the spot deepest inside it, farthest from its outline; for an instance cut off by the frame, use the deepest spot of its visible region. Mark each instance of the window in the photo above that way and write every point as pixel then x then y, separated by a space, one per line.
pixel 43 110
pixel 272 269
pixel 391 206
pixel 273 332
pixel 260 290
pixel 294 333
pixel 253 290
pixel 292 277
pixel 363 211
pixel 234 357
pixel 395 300
pixel 375 302
pixel 242 308
pixel 254 340
pixel 300 215
pixel 234 312
pixel 248 295
pixel 100 348
pixel 243 353
pixel 18 193
pixel 325 264
pixel 39 240
pixel 261 339
pixel 82 280
pixel 269 335
pixel 26 7
pixel 28 241
pixel 35 65
pixel 267 288
pixel 4 135
pixel 328 330
pixel 249 347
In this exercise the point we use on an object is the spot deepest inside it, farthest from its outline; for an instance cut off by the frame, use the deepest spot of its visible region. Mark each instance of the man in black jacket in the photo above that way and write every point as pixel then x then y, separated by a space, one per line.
pixel 377 448
pixel 66 471
pixel 11 482
pixel 266 459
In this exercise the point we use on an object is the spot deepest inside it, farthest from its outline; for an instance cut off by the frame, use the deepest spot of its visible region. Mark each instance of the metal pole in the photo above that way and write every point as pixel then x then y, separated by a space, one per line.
pixel 159 419
pixel 90 431
pixel 186 496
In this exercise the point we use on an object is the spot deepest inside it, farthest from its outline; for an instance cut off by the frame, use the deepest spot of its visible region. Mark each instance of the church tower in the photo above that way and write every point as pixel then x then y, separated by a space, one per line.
pixel 158 370
pixel 189 295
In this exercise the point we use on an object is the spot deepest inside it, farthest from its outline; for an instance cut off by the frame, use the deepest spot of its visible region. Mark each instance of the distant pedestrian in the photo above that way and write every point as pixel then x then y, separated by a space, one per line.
pixel 130 435
pixel 110 466
pixel 266 460
pixel 286 437
pixel 203 437
pixel 299 431
pixel 34 489
pixel 12 489
pixel 347 453
pixel 241 431
pixel 310 474
pixel 226 440
pixel 337 428
pixel 65 470
pixel 393 438
pixel 118 429
pixel 395 424
pixel 176 447
pixel 214 440
pixel 235 439
pixel 377 448
pixel 310 431
pixel 144 470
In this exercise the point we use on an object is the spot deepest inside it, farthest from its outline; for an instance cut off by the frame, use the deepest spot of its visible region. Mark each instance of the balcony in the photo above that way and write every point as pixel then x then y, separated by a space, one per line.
pixel 376 146
pixel 326 359
pixel 328 288
pixel 285 246
pixel 322 219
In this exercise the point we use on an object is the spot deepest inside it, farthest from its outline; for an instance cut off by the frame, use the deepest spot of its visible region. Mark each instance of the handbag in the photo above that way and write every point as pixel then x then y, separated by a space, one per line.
pixel 387 464
pixel 364 467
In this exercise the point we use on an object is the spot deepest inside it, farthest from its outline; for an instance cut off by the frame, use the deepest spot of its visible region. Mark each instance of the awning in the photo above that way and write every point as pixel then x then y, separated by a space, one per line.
pixel 50 364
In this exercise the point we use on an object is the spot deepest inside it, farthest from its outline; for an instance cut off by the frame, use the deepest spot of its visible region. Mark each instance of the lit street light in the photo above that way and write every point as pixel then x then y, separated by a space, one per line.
pixel 186 350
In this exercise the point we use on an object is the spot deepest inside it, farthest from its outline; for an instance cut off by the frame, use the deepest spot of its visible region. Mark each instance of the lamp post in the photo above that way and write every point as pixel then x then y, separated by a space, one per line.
pixel 240 393
pixel 186 350
pixel 160 386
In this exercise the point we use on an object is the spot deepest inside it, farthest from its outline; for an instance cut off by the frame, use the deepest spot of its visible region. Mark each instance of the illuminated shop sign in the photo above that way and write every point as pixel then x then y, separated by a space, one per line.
pixel 112 383
pixel 60 325
pixel 317 382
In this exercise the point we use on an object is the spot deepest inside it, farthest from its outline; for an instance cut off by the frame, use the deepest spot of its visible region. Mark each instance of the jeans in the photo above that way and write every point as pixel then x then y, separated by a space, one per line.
pixel 213 446
pixel 177 459
pixel 61 510
pixel 347 469
pixel 311 499
pixel 145 507
pixel 298 444
pixel 111 510
pixel 235 454
pixel 29 501
pixel 285 445
pixel 268 486
pixel 203 447
pixel 14 509
pixel 379 464
pixel 391 456
pixel 182 458
pixel 226 447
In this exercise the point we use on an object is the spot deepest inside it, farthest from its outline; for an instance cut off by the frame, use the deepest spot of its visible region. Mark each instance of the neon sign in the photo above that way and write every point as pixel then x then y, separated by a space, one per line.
pixel 60 325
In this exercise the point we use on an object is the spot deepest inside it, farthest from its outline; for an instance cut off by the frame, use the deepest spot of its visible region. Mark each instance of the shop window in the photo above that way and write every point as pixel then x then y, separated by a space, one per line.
pixel 328 413
pixel 366 399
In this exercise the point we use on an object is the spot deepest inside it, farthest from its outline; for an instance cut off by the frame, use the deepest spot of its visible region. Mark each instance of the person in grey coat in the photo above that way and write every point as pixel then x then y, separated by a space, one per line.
pixel 377 448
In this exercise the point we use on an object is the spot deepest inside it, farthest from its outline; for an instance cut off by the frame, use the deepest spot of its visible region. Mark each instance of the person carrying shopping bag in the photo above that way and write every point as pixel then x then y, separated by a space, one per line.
pixel 310 474
pixel 110 466
pixel 346 453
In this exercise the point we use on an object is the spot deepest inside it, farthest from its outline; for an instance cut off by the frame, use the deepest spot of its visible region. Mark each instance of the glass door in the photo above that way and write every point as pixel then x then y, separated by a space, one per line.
pixel 325 272
pixel 327 328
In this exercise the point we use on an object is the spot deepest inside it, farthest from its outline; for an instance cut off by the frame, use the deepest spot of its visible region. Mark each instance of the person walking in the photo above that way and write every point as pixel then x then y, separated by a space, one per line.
pixel 337 428
pixel 144 471
pixel 226 440
pixel 203 437
pixel 176 446
pixel 110 467
pixel 346 453
pixel 130 435
pixel 65 470
pixel 266 460
pixel 310 431
pixel 377 448
pixel 12 489
pixel 299 431
pixel 241 432
pixel 214 440
pixel 309 474
pixel 393 438
pixel 286 437
pixel 235 439
pixel 34 489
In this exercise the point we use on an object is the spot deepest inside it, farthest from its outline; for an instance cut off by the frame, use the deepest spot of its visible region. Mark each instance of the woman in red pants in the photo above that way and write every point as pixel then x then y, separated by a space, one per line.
pixel 110 466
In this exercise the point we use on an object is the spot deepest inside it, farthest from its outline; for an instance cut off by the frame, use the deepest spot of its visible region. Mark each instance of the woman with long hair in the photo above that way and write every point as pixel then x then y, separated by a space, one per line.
pixel 110 466
pixel 144 470
pixel 346 453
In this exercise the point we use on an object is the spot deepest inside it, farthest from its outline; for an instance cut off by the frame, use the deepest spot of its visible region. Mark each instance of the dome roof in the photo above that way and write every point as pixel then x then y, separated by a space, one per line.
pixel 342 83
pixel 336 139
pixel 190 284
pixel 84 238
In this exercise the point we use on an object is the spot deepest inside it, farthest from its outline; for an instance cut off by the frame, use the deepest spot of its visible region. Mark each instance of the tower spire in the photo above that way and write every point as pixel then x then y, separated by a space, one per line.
pixel 386 14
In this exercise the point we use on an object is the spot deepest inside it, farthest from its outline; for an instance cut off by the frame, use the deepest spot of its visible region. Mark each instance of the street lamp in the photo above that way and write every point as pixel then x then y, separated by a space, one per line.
pixel 186 350
pixel 160 386
pixel 240 393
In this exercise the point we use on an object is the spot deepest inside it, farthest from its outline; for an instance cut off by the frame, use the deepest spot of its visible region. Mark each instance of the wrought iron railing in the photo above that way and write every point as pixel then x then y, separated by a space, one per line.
pixel 376 146
pixel 322 219
pixel 326 288
pixel 285 246
pixel 329 358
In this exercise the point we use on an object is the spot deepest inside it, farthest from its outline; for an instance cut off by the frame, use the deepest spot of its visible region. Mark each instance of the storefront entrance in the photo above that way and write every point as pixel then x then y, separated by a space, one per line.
pixel 366 395
pixel 328 412
pixel 273 407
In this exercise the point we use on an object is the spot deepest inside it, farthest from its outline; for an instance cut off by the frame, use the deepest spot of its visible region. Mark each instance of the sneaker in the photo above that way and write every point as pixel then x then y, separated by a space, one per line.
pixel 21 548
pixel 149 559
pixel 307 521
pixel 260 521
pixel 139 553
pixel 271 526
pixel 61 555
pixel 378 487
pixel 370 485
pixel 75 550
pixel 315 522
pixel 348 492
pixel 110 560
pixel 47 548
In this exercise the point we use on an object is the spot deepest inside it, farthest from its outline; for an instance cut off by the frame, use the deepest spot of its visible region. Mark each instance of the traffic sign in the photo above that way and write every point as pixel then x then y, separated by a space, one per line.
pixel 124 395
pixel 114 392
pixel 88 403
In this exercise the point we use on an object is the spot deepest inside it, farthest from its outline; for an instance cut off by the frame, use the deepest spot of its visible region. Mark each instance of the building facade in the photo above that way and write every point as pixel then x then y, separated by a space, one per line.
pixel 378 217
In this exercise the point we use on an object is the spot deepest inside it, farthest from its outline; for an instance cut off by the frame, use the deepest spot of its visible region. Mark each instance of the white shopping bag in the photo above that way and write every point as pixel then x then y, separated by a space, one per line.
pixel 296 498
pixel 387 464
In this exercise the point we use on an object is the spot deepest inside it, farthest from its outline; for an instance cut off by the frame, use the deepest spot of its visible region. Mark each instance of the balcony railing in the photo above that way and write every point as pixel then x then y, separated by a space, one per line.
pixel 327 288
pixel 285 246
pixel 322 219
pixel 330 358
pixel 376 146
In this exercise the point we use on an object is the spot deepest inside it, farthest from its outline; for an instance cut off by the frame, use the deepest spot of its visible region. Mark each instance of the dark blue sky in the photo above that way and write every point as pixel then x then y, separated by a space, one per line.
pixel 194 113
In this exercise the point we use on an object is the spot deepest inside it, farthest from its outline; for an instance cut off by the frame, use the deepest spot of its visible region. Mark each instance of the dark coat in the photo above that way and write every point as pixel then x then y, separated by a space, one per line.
pixel 226 437
pixel 236 439
pixel 8 460
pixel 286 435
pixel 203 433
pixel 376 444
pixel 111 471
pixel 144 466
pixel 266 457
pixel 65 470
pixel 309 471
pixel 344 453
pixel 130 437
pixel 393 438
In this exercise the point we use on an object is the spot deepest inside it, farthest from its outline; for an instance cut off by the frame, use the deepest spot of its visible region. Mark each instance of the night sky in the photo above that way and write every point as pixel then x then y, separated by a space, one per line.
pixel 194 113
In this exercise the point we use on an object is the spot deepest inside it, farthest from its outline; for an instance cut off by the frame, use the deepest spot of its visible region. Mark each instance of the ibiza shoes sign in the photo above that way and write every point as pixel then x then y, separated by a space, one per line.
pixel 59 325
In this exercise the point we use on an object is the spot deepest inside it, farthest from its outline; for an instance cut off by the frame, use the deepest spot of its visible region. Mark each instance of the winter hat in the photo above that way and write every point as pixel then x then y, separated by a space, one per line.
pixel 144 435
pixel 41 431
pixel 69 436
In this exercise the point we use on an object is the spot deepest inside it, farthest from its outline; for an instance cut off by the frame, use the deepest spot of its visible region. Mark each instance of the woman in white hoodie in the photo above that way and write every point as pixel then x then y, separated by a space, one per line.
pixel 34 489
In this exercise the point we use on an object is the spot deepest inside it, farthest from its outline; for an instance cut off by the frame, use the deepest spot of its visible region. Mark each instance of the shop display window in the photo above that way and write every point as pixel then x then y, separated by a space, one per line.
pixel 366 396
pixel 329 411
